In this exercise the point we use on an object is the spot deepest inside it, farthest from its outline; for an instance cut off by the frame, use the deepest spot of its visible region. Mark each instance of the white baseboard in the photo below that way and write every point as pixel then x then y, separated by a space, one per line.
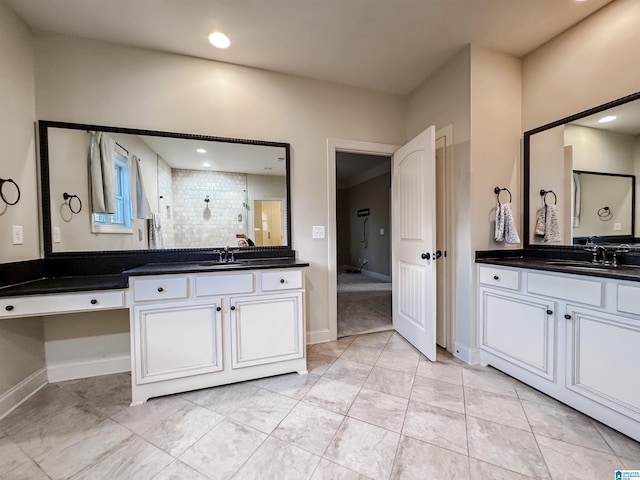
pixel 319 336
pixel 466 354
pixel 90 368
pixel 15 396
pixel 377 276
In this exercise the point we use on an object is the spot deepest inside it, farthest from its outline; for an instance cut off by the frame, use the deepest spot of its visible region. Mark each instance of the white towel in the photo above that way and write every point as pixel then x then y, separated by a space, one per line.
pixel 155 232
pixel 505 226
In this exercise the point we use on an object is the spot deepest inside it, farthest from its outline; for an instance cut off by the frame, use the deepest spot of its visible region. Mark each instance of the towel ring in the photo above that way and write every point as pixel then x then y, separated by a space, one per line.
pixel 2 196
pixel 69 197
pixel 543 193
pixel 605 213
pixel 497 191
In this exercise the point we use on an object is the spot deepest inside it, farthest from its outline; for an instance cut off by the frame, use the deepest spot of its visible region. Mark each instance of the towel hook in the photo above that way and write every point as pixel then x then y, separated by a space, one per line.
pixel 497 191
pixel 2 196
pixel 543 194
pixel 605 213
pixel 70 198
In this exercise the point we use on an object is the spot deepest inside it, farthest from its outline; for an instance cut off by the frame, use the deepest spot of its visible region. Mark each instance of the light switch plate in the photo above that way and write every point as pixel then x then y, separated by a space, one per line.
pixel 318 231
pixel 56 235
pixel 17 235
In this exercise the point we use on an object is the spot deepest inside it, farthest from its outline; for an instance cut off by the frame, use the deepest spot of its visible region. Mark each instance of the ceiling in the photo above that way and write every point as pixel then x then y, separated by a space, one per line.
pixel 220 156
pixel 385 45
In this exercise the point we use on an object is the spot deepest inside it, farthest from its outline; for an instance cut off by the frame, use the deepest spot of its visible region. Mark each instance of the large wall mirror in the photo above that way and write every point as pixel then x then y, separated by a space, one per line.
pixel 117 189
pixel 580 177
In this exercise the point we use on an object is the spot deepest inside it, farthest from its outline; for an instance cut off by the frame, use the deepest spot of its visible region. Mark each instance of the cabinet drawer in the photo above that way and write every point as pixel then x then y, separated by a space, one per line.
pixel 628 299
pixel 60 303
pixel 588 292
pixel 159 288
pixel 281 280
pixel 500 277
pixel 224 284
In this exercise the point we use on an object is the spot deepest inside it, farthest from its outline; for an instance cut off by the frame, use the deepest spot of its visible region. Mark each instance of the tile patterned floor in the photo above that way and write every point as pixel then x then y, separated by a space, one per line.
pixel 371 407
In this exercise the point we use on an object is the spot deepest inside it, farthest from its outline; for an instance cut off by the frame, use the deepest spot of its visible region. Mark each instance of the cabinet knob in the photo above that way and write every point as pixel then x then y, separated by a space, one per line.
pixel 93 301
pixel 160 289
pixel 233 307
pixel 8 308
pixel 218 309
pixel 549 312
pixel 496 277
pixel 567 316
pixel 282 280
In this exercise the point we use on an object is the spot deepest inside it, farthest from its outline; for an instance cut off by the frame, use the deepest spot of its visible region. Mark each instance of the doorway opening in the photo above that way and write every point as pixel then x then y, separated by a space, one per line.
pixel 445 203
pixel 363 201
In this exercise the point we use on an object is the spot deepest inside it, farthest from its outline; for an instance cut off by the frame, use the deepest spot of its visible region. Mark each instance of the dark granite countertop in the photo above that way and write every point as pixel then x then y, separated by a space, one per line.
pixel 112 281
pixel 83 283
pixel 564 265
pixel 209 266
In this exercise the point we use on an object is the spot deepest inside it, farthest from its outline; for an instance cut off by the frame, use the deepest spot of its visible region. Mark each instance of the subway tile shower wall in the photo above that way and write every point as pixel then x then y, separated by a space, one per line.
pixel 199 224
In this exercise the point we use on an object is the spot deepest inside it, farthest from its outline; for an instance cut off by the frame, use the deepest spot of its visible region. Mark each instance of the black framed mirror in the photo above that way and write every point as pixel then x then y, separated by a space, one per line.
pixel 112 189
pixel 590 162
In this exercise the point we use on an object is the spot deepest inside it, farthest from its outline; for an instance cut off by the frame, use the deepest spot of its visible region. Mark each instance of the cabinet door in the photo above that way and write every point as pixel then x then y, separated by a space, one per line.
pixel 602 359
pixel 520 329
pixel 266 329
pixel 172 341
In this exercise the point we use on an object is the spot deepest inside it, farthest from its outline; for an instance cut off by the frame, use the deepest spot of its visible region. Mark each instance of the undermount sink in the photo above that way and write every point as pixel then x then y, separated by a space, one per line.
pixel 217 263
pixel 585 265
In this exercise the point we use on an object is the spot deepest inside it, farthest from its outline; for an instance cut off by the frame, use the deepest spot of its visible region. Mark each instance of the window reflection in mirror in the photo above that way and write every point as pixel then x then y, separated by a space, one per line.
pixel 592 166
pixel 201 193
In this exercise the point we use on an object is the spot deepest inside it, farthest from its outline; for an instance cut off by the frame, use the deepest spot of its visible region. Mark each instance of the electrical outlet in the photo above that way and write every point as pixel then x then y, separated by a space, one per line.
pixel 617 226
pixel 318 232
pixel 382 231
pixel 18 238
pixel 56 235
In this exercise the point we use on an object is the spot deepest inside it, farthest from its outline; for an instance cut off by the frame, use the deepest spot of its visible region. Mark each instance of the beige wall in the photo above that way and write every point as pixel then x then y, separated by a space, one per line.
pixel 588 65
pixel 21 340
pixel 93 82
pixel 17 137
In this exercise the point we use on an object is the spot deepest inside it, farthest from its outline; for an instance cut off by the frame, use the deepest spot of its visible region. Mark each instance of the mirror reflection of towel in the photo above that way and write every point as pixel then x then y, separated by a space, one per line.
pixel 547 224
pixel 505 226
pixel 155 232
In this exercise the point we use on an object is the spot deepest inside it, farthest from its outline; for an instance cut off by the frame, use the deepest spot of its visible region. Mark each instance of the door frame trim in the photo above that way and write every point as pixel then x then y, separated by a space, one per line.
pixel 335 145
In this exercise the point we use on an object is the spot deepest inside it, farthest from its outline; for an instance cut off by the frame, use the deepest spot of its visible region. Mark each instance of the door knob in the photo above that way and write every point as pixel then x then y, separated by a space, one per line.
pixel 426 256
pixel 438 254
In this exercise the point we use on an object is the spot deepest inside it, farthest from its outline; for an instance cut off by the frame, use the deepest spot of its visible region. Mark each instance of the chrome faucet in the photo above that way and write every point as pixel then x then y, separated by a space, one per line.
pixel 228 255
pixel 595 250
pixel 623 248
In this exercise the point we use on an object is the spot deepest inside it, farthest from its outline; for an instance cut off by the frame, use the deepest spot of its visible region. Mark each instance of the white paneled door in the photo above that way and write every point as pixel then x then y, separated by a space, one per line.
pixel 414 239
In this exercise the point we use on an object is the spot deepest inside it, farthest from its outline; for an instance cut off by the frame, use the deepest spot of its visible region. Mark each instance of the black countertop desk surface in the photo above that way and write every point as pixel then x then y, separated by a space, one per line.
pixel 622 272
pixel 83 283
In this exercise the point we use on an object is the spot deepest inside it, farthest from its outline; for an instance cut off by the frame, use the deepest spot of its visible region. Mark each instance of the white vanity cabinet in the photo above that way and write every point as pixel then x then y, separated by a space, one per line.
pixel 572 337
pixel 199 330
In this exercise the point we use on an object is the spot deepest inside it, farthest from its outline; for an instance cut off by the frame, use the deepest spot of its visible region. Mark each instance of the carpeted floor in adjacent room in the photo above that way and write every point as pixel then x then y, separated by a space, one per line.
pixel 364 304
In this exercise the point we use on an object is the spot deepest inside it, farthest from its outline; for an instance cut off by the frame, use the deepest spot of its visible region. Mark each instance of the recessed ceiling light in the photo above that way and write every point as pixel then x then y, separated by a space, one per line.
pixel 206 164
pixel 219 40
pixel 608 118
pixel 201 150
